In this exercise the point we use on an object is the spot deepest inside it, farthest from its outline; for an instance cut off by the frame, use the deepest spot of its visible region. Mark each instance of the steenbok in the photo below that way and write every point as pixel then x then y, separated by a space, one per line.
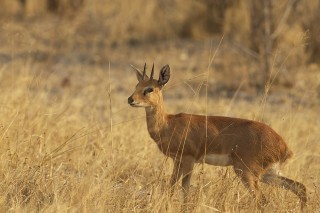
pixel 253 149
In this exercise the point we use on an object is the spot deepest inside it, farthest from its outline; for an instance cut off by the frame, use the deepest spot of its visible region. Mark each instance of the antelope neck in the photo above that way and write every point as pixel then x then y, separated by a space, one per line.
pixel 156 118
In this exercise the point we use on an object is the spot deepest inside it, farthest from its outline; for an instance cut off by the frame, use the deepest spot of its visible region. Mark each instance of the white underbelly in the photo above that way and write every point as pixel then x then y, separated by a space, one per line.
pixel 217 160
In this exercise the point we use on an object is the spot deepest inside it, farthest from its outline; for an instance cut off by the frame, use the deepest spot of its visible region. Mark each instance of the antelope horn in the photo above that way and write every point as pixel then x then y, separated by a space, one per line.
pixel 152 71
pixel 144 71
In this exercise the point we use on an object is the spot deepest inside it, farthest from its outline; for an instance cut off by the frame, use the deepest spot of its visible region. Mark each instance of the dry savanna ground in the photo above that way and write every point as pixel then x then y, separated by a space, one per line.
pixel 69 142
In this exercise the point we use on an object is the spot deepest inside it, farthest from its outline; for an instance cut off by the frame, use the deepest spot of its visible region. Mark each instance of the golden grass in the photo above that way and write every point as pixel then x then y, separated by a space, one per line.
pixel 58 152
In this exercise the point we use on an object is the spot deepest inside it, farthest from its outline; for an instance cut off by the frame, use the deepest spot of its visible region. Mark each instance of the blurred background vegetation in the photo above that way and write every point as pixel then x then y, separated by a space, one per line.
pixel 266 31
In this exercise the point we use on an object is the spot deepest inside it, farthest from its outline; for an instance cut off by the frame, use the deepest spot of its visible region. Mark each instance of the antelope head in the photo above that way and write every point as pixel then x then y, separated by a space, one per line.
pixel 148 90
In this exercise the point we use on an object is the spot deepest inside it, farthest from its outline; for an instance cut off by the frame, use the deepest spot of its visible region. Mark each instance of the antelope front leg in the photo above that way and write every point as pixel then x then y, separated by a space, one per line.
pixel 176 174
pixel 183 166
pixel 187 167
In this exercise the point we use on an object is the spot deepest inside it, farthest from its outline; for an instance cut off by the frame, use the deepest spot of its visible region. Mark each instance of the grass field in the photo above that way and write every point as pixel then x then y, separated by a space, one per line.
pixel 69 142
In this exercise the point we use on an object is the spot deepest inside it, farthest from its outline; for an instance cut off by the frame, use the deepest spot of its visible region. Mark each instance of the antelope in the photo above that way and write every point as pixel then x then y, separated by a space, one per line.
pixel 253 148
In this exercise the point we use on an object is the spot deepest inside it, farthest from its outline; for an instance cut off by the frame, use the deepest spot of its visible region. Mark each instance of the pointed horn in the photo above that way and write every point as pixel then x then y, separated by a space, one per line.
pixel 144 71
pixel 152 71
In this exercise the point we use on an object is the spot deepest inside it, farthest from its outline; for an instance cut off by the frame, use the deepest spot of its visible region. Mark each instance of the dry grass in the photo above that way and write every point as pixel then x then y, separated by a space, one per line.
pixel 58 152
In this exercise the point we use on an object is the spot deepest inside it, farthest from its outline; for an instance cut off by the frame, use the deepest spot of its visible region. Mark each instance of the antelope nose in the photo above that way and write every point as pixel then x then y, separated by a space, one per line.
pixel 130 100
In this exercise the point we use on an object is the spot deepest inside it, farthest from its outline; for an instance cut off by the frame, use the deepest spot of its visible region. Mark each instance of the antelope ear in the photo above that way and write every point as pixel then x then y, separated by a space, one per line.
pixel 139 74
pixel 164 75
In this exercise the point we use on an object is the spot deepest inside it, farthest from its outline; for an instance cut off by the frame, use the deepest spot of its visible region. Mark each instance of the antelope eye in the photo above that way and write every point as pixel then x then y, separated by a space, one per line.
pixel 148 90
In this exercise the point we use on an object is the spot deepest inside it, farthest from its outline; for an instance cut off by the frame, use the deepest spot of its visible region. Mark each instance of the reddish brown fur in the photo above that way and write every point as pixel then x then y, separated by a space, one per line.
pixel 251 147
pixel 224 136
